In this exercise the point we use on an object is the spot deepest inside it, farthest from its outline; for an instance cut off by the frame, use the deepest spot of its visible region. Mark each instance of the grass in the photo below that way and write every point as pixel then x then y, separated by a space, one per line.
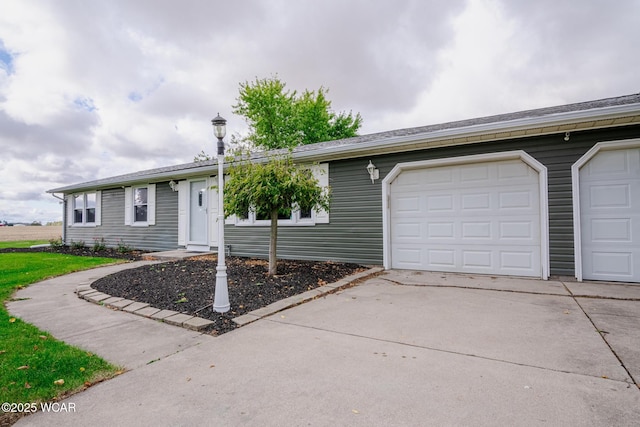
pixel 22 244
pixel 33 362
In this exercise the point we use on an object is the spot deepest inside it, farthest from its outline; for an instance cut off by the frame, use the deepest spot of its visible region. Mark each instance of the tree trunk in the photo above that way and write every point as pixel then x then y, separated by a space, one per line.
pixel 273 243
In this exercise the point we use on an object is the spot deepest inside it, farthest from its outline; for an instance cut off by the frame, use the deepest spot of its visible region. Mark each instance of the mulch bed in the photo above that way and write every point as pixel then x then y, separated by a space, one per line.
pixel 187 286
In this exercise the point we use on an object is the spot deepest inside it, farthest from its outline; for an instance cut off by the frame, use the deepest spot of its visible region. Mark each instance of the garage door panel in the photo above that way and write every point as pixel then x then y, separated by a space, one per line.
pixel 610 215
pixel 475 174
pixel 441 230
pixel 436 176
pixel 408 205
pixel 408 231
pixel 474 259
pixel 515 260
pixel 475 219
pixel 611 230
pixel 476 230
pixel 516 230
pixel 609 196
pixel 610 163
pixel 476 201
pixel 608 264
pixel 511 170
pixel 515 200
pixel 441 258
pixel 411 257
pixel 439 203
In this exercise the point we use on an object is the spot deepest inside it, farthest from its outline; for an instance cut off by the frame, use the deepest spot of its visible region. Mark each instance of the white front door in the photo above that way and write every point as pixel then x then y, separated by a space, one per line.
pixel 198 215
pixel 474 218
pixel 610 216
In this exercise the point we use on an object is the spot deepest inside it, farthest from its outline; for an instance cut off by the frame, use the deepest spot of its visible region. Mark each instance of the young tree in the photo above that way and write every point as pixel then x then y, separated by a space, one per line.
pixel 279 118
pixel 269 188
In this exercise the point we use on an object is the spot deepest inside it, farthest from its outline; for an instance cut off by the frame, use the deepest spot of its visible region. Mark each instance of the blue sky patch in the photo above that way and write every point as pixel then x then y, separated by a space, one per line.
pixel 84 104
pixel 6 59
pixel 135 97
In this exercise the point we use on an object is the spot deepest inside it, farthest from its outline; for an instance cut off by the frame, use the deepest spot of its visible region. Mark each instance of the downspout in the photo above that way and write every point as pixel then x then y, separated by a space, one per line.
pixel 63 201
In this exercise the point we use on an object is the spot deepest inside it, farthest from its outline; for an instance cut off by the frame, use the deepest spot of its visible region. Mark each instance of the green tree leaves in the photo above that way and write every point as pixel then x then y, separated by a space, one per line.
pixel 270 188
pixel 279 118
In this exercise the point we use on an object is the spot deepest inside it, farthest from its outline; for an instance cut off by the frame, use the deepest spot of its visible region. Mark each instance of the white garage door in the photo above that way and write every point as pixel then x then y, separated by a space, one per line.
pixel 472 218
pixel 610 216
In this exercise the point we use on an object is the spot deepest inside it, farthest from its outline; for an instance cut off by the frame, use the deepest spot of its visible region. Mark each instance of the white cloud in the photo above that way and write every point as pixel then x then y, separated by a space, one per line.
pixel 95 89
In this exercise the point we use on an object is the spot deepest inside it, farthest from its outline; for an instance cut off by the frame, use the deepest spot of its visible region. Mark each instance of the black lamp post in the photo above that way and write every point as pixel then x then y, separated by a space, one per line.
pixel 221 297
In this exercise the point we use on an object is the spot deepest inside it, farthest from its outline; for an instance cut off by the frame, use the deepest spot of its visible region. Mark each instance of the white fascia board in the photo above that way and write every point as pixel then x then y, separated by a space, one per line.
pixel 528 123
pixel 140 179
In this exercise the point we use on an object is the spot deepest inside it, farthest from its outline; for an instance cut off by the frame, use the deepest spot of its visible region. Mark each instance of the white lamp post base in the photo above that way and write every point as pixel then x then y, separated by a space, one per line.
pixel 221 297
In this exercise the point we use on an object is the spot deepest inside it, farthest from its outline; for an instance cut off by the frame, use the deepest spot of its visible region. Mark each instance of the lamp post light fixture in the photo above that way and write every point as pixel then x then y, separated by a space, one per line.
pixel 221 296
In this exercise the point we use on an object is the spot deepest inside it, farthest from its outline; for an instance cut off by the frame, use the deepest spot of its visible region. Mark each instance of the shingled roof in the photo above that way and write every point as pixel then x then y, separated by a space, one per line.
pixel 622 110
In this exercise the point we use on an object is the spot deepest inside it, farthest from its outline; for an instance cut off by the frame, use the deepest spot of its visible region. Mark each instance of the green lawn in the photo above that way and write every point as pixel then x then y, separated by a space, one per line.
pixel 22 244
pixel 32 362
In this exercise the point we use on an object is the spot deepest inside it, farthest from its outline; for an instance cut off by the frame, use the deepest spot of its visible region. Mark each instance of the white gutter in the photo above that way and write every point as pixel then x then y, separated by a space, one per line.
pixel 152 177
pixel 544 121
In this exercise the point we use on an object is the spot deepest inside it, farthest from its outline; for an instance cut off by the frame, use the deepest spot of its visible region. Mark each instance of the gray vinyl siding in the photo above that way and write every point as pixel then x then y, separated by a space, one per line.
pixel 161 236
pixel 354 233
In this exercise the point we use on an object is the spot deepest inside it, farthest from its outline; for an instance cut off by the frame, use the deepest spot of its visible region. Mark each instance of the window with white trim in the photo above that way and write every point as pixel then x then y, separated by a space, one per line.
pixel 294 216
pixel 140 205
pixel 286 217
pixel 84 209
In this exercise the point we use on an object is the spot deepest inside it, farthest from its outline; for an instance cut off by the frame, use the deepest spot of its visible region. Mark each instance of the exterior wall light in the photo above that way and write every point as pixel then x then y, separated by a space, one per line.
pixel 173 185
pixel 373 172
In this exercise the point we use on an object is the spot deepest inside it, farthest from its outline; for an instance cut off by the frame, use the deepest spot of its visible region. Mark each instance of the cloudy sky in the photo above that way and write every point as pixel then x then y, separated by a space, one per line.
pixel 90 89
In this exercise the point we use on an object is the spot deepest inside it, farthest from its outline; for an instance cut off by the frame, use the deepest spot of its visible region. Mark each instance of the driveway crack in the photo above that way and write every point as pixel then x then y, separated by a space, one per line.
pixel 602 333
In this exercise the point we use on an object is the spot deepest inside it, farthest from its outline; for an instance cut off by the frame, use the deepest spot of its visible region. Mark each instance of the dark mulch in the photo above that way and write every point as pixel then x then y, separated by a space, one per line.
pixel 187 286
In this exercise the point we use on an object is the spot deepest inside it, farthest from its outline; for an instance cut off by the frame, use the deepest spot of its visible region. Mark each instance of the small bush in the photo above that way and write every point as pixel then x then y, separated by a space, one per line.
pixel 77 245
pixel 56 243
pixel 99 244
pixel 123 248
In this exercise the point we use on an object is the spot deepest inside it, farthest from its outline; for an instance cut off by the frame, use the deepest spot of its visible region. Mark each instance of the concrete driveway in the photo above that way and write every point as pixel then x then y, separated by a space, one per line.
pixel 403 348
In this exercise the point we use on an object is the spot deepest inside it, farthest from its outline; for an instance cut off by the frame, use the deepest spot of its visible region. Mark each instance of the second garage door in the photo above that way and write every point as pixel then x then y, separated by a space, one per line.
pixel 610 215
pixel 472 218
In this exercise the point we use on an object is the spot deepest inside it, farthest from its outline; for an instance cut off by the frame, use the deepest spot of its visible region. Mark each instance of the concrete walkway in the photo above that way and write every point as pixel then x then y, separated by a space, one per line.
pixel 404 348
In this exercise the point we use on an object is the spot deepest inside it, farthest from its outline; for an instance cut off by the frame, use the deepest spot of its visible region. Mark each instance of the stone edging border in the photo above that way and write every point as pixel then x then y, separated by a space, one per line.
pixel 195 323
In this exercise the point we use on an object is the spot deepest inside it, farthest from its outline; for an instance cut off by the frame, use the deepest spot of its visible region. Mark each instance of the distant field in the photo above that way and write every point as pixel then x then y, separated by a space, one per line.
pixel 45 232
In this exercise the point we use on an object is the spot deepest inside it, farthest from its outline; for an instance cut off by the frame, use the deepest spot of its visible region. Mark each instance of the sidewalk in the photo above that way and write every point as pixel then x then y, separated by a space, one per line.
pixel 122 338
pixel 404 348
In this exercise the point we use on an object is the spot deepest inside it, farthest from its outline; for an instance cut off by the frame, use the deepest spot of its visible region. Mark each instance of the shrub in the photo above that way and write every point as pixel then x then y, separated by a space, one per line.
pixel 98 244
pixel 56 243
pixel 123 248
pixel 77 245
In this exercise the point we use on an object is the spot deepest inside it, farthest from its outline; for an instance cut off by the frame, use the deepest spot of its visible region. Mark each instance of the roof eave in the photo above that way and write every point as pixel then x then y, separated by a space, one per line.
pixel 526 127
pixel 139 179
